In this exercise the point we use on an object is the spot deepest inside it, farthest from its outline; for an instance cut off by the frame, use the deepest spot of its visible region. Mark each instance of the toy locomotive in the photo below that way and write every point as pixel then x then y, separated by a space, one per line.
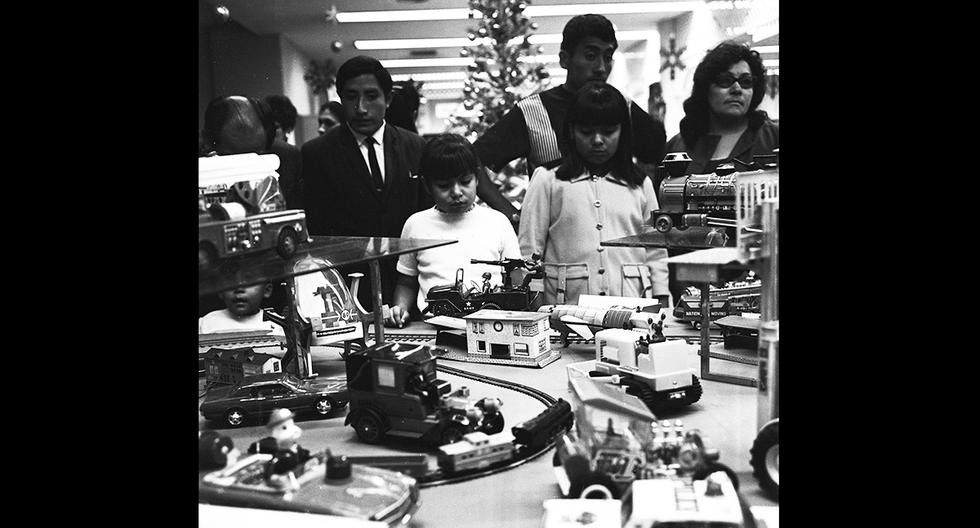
pixel 700 199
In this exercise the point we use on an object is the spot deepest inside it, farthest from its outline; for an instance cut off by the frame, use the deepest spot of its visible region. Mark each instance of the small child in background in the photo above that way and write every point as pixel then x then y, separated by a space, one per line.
pixel 449 167
pixel 597 193
pixel 242 312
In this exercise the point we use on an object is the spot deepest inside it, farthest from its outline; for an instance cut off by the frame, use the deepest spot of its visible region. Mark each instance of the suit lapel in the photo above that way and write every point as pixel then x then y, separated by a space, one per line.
pixel 392 162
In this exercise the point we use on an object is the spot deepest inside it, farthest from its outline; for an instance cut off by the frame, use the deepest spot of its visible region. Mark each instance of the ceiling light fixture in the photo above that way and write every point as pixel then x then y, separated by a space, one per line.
pixel 414 15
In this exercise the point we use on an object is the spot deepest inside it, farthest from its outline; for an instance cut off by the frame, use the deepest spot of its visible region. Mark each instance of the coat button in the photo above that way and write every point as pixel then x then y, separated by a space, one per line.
pixel 598 203
pixel 602 293
pixel 600 249
pixel 598 226
pixel 602 270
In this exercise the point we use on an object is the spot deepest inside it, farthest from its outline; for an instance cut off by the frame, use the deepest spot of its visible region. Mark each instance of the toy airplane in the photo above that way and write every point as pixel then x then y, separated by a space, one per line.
pixel 597 313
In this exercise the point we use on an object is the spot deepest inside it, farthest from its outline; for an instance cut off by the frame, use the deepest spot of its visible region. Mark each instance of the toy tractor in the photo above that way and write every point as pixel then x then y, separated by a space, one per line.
pixel 650 367
pixel 394 392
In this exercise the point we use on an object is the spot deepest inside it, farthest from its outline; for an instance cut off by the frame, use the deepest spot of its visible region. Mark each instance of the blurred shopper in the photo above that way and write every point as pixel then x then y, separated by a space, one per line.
pixel 331 114
pixel 404 108
pixel 290 161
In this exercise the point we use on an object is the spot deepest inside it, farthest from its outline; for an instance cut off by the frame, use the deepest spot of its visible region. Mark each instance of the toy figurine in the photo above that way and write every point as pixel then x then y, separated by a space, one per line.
pixel 486 282
pixel 288 457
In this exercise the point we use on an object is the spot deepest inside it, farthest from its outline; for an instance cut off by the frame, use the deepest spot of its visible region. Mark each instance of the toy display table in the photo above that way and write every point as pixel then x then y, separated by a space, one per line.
pixel 514 498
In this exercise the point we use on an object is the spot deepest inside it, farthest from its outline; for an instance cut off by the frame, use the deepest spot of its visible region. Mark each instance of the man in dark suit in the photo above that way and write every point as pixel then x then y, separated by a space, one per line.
pixel 361 178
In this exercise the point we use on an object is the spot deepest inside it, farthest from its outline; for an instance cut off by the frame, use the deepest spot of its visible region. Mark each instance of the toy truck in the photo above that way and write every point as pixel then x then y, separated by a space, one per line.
pixel 394 392
pixel 650 367
pixel 219 239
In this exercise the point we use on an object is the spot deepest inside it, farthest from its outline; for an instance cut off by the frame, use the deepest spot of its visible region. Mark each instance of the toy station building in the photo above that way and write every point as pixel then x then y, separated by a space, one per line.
pixel 231 365
pixel 509 337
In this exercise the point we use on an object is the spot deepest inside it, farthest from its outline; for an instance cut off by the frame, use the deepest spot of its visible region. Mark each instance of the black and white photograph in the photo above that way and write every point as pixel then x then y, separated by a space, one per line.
pixel 491 263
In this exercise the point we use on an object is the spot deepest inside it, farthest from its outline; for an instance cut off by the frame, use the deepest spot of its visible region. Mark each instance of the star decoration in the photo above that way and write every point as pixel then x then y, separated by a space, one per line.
pixel 672 57
pixel 331 14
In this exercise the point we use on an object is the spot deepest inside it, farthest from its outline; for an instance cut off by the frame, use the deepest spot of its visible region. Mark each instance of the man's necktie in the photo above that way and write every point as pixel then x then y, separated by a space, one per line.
pixel 379 184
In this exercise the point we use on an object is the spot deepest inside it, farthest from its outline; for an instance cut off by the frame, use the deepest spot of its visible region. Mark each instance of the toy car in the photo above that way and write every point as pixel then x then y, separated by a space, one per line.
pixel 455 300
pixel 615 441
pixel 255 397
pixel 325 485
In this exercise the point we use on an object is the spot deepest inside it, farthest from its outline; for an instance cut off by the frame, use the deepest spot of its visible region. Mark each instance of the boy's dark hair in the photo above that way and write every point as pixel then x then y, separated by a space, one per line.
pixel 360 65
pixel 228 108
pixel 582 26
pixel 600 104
pixel 694 124
pixel 448 156
pixel 283 111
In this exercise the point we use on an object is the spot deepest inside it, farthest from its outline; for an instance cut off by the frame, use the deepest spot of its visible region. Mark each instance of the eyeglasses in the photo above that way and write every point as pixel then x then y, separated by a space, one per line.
pixel 727 79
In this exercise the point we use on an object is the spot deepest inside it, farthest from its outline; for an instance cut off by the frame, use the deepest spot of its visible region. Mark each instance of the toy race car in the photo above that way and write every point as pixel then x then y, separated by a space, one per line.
pixel 326 484
pixel 256 396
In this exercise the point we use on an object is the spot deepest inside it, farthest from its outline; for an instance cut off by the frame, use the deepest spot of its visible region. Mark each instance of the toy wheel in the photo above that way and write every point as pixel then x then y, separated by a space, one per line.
pixel 765 458
pixel 490 306
pixel 323 406
pixel 663 223
pixel 451 434
pixel 368 428
pixel 442 309
pixel 694 393
pixel 287 243
pixel 696 325
pixel 206 255
pixel 493 424
pixel 235 416
pixel 711 467
pixel 594 486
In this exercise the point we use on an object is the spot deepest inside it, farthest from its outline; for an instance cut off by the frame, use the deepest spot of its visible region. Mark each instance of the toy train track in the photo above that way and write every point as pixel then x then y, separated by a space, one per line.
pixel 522 454
pixel 555 339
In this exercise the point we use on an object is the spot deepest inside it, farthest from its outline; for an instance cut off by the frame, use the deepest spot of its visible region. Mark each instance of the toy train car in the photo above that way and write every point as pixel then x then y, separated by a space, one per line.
pixel 732 299
pixel 545 427
pixel 476 450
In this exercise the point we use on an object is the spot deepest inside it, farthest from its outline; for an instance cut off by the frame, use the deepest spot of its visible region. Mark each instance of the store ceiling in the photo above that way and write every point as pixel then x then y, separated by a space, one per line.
pixel 304 23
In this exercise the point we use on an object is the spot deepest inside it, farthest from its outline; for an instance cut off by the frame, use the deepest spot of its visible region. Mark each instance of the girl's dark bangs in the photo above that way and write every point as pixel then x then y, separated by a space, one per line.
pixel 589 113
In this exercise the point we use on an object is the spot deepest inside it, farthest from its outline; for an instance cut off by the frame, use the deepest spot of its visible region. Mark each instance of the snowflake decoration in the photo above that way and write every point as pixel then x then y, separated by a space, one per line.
pixel 672 56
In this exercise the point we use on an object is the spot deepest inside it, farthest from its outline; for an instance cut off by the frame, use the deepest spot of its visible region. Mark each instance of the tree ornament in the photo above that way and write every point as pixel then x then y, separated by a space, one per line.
pixel 336 46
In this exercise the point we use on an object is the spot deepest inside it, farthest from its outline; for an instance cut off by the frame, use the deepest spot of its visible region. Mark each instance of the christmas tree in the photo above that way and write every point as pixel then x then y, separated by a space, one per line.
pixel 499 78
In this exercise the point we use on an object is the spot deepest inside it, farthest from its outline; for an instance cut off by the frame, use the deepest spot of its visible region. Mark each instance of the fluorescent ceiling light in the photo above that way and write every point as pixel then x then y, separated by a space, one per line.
pixel 456 85
pixel 412 43
pixel 411 15
pixel 459 42
pixel 424 63
pixel 771 63
pixel 430 76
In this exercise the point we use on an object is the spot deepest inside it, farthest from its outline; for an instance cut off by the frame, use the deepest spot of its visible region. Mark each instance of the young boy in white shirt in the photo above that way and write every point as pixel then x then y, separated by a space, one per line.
pixel 242 312
pixel 449 167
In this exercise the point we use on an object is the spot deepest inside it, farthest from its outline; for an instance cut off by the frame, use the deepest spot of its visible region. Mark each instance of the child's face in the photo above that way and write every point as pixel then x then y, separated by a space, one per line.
pixel 455 195
pixel 596 143
pixel 246 300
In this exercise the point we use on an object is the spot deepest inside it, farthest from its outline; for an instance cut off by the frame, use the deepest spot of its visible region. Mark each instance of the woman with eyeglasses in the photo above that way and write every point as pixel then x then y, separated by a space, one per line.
pixel 722 122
